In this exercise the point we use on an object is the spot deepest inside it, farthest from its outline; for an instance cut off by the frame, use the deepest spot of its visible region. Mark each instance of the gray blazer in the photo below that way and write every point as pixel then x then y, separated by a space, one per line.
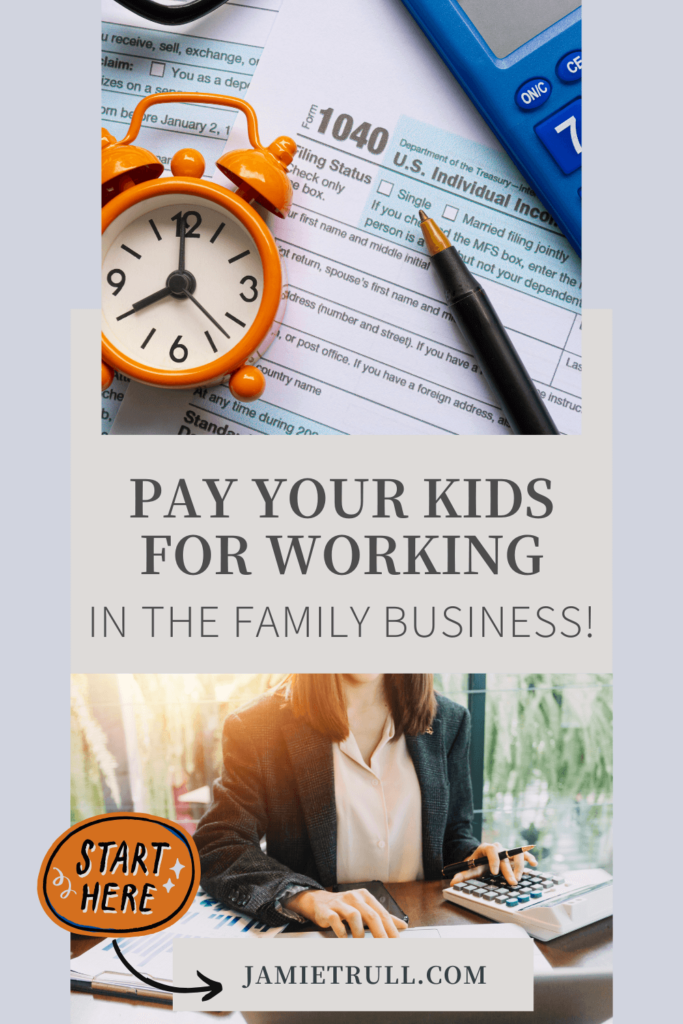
pixel 278 782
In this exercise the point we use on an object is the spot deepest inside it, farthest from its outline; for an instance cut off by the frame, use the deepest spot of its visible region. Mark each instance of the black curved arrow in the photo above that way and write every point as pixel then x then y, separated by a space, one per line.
pixel 212 988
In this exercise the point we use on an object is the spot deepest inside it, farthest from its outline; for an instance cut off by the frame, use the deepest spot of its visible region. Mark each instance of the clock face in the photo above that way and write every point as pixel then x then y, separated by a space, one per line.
pixel 182 282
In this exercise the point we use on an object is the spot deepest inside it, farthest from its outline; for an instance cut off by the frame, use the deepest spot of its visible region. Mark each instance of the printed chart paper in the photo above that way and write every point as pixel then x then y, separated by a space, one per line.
pixel 218 53
pixel 367 344
pixel 153 954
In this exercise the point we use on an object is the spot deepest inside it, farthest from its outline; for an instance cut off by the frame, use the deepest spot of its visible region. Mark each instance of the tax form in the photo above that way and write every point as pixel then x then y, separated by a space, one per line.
pixel 217 53
pixel 367 344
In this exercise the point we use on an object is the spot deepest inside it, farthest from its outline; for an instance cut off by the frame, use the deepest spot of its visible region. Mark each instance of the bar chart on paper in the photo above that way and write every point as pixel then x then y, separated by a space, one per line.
pixel 153 954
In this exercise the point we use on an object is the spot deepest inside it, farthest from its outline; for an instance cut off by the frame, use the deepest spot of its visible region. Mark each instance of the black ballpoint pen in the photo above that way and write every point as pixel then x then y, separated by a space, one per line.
pixel 178 14
pixel 473 313
pixel 464 865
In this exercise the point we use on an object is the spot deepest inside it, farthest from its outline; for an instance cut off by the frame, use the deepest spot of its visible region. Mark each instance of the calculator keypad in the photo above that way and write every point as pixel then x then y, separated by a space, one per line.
pixel 560 133
pixel 493 889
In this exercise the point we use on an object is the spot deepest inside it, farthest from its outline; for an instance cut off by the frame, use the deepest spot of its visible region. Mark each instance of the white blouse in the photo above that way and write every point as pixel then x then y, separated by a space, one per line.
pixel 379 811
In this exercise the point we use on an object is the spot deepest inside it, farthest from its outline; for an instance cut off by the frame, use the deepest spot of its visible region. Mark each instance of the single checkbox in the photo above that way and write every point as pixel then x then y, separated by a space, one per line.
pixel 450 212
pixel 385 188
pixel 157 68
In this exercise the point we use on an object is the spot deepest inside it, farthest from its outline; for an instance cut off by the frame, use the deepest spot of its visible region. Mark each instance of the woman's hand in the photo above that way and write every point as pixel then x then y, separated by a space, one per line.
pixel 358 908
pixel 511 868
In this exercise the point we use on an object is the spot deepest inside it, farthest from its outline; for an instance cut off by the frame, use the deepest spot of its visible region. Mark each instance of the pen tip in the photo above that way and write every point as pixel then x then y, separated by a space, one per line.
pixel 434 237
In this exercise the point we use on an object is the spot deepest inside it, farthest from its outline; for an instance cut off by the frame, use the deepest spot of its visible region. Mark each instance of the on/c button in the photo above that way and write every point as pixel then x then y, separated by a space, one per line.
pixel 533 93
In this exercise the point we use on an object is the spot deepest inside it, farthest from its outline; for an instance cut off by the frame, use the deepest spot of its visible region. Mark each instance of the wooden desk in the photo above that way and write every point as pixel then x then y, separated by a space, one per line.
pixel 424 904
pixel 587 948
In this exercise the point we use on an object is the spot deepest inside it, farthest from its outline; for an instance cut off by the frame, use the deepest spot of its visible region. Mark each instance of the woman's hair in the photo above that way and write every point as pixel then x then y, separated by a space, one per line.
pixel 319 699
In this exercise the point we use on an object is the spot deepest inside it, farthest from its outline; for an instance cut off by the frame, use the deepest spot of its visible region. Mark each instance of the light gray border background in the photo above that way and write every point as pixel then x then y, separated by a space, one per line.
pixel 50 265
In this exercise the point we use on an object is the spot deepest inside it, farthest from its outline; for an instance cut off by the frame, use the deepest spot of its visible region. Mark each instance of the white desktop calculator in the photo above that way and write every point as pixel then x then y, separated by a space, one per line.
pixel 545 905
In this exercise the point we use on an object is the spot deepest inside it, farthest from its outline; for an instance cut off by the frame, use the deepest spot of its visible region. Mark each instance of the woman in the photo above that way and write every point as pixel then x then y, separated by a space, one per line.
pixel 350 778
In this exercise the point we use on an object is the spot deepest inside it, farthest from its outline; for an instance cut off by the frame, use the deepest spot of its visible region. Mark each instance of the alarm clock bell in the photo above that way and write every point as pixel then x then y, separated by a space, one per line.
pixel 123 166
pixel 130 189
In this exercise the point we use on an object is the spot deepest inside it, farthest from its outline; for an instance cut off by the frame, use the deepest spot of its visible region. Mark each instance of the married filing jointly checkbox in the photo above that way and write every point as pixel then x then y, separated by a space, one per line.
pixel 157 68
pixel 450 212
pixel 385 188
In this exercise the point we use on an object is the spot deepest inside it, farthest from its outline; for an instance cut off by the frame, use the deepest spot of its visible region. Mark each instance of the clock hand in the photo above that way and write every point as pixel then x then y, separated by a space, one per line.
pixel 142 303
pixel 181 255
pixel 206 313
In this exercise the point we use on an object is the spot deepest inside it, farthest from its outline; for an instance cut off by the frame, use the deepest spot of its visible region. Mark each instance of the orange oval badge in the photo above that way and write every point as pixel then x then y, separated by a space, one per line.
pixel 119 874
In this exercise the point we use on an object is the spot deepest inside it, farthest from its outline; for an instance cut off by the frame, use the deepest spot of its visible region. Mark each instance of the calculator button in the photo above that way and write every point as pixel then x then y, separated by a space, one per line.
pixel 547 885
pixel 569 68
pixel 533 93
pixel 523 897
pixel 557 880
pixel 501 899
pixel 561 135
pixel 536 894
pixel 460 885
pixel 489 896
pixel 512 902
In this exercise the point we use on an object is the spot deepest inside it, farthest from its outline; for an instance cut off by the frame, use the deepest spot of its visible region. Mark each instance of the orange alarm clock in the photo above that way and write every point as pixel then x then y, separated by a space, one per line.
pixel 192 285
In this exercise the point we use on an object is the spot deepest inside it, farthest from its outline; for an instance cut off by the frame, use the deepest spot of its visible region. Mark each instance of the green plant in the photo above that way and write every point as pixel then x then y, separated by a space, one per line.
pixel 91 759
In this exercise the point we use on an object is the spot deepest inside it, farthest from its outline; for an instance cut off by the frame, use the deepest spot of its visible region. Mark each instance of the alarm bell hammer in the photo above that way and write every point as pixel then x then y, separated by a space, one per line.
pixel 260 173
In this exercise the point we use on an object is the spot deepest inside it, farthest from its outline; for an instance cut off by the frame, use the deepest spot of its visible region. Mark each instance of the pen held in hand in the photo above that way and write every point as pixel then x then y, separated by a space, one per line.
pixel 479 324
pixel 465 865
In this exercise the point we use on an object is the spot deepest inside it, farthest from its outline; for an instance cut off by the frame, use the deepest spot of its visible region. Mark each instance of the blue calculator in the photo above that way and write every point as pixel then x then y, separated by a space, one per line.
pixel 519 61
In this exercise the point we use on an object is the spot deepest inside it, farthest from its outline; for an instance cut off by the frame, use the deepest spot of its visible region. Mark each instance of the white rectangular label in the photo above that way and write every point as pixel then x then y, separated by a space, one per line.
pixel 446 974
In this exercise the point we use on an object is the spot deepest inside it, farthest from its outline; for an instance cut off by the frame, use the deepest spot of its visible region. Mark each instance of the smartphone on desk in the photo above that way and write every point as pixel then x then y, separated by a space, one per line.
pixel 380 892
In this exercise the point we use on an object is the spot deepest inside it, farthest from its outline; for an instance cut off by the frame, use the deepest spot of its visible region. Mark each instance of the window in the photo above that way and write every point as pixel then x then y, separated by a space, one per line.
pixel 151 742
pixel 541 762
pixel 541 754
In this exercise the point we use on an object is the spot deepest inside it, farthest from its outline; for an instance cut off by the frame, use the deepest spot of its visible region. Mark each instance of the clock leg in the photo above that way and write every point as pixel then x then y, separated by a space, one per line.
pixel 107 376
pixel 247 383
